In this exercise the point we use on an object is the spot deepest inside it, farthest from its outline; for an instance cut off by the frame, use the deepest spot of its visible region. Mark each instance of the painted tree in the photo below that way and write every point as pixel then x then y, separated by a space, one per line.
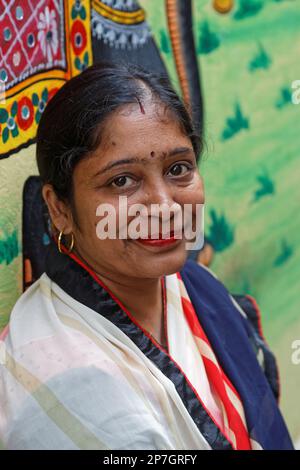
pixel 285 97
pixel 208 40
pixel 261 60
pixel 286 251
pixel 9 248
pixel 247 8
pixel 221 233
pixel 235 123
pixel 266 186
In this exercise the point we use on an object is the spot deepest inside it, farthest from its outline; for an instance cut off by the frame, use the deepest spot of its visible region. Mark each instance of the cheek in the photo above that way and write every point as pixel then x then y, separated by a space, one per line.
pixel 86 208
pixel 192 194
pixel 199 191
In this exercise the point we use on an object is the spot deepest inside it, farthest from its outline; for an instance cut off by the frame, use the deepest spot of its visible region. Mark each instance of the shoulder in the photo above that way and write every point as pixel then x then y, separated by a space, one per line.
pixel 28 316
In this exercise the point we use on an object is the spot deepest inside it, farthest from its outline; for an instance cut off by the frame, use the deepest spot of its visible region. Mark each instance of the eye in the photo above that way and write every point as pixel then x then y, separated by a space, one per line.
pixel 179 169
pixel 122 181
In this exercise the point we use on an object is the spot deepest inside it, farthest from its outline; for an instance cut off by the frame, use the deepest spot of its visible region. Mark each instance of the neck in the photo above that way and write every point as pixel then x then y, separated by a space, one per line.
pixel 142 298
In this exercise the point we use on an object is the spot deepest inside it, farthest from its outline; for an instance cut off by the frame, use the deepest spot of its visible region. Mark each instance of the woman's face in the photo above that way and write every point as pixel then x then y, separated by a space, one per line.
pixel 144 156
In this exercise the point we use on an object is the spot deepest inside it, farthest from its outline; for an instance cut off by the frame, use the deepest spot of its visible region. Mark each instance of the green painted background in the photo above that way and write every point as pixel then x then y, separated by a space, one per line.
pixel 251 164
pixel 252 177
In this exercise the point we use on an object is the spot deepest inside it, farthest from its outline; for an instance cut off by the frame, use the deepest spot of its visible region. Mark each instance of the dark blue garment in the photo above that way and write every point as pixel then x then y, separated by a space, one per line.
pixel 230 335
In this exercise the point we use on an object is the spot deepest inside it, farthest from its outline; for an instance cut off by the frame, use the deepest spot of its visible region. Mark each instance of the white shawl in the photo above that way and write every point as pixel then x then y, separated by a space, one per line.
pixel 71 379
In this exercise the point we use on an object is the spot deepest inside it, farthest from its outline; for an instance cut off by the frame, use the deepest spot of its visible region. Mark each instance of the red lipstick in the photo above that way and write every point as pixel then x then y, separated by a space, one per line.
pixel 158 241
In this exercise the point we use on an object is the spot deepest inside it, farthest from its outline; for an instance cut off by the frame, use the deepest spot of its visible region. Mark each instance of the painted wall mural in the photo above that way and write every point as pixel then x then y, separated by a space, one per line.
pixel 234 62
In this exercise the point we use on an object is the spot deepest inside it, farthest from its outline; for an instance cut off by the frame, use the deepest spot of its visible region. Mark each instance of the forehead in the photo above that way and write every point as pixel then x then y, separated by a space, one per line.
pixel 147 135
pixel 149 126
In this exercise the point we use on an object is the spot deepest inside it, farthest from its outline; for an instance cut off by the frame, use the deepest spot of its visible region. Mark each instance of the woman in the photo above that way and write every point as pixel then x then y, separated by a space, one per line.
pixel 122 343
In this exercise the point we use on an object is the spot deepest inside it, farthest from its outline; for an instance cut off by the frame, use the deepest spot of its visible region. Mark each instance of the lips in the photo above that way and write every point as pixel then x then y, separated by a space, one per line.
pixel 159 236
pixel 159 241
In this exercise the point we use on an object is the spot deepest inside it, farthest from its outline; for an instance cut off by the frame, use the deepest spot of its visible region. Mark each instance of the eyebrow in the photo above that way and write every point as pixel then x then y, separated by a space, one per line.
pixel 125 161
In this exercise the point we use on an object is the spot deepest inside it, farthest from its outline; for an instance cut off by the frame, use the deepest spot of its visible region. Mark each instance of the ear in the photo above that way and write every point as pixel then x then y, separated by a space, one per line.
pixel 59 211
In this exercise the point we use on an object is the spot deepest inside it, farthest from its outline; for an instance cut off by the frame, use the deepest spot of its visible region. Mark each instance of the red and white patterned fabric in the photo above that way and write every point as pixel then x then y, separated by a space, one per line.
pixel 190 348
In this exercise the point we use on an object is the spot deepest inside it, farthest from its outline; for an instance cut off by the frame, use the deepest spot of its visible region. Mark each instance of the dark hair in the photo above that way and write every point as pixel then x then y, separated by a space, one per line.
pixel 71 124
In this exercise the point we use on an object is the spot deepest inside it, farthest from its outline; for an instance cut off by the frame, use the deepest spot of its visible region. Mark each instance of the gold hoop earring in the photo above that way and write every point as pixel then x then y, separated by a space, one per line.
pixel 60 244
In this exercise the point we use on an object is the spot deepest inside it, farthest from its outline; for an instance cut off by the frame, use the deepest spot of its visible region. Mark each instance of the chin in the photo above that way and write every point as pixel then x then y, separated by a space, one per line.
pixel 165 264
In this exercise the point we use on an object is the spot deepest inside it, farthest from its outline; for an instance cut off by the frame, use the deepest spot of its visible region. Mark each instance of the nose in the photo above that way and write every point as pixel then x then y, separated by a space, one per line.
pixel 163 209
pixel 159 192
